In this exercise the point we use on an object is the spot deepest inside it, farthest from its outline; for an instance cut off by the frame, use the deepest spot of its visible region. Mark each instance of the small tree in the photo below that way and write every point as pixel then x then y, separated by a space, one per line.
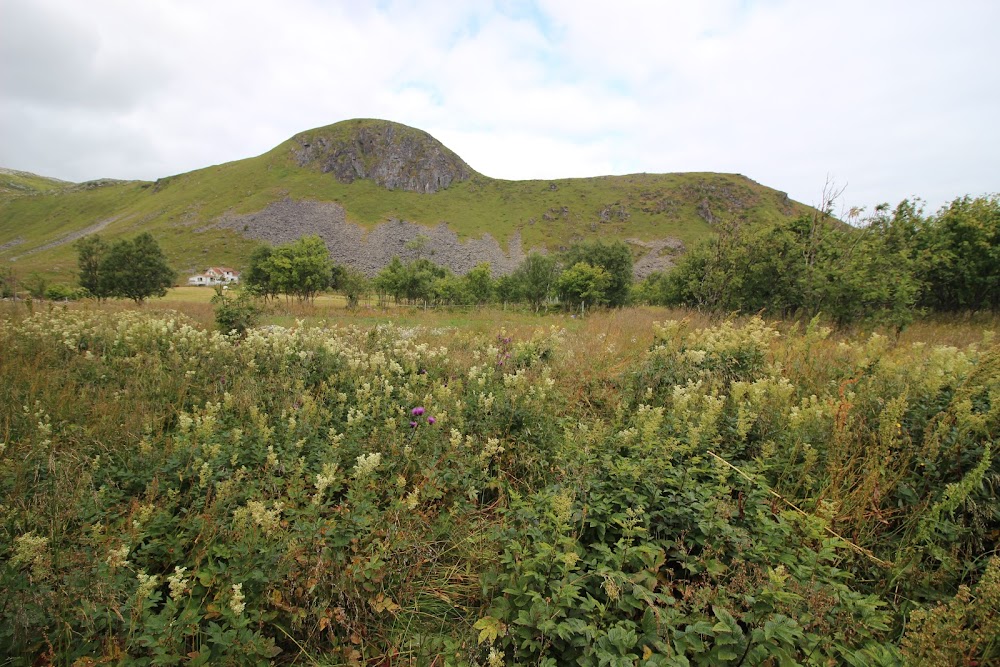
pixel 135 269
pixel 353 284
pixel 235 315
pixel 301 268
pixel 479 284
pixel 616 260
pixel 257 277
pixel 390 281
pixel 958 252
pixel 583 284
pixel 506 289
pixel 535 278
pixel 90 252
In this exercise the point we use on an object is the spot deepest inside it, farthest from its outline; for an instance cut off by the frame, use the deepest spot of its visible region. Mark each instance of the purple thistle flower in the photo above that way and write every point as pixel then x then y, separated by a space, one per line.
pixel 413 424
pixel 416 412
pixel 431 420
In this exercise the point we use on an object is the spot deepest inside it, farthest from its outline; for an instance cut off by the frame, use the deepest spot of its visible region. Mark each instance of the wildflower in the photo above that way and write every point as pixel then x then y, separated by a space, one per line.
pixel 118 557
pixel 431 420
pixel 31 549
pixel 611 588
pixel 413 424
pixel 238 602
pixel 147 584
pixel 268 520
pixel 416 412
pixel 367 464
pixel 204 475
pixel 178 582
pixel 413 499
pixel 324 479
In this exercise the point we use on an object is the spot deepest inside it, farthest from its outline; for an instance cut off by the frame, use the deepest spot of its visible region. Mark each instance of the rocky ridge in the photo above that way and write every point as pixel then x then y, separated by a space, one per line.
pixel 395 156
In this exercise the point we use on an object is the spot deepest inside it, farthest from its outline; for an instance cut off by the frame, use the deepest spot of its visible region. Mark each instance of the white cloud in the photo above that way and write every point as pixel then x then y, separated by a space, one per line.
pixel 893 98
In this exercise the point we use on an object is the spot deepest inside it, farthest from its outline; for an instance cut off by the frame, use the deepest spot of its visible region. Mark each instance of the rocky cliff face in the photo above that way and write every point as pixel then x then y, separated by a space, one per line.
pixel 395 156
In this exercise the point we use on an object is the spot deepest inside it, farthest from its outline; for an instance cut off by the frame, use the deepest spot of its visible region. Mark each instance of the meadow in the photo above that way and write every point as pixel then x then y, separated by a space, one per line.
pixel 399 486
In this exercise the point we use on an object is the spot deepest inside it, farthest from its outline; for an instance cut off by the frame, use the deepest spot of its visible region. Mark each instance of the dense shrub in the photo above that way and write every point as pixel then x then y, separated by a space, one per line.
pixel 359 495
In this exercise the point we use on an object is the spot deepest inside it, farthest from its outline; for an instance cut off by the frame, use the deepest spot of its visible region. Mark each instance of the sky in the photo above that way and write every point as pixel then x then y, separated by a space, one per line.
pixel 884 99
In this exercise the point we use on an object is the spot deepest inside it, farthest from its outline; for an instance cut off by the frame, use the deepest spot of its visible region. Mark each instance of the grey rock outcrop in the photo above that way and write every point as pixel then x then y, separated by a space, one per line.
pixel 660 255
pixel 395 156
pixel 370 250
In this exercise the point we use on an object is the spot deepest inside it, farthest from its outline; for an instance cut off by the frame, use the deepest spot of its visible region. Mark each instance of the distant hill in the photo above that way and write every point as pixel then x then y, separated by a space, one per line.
pixel 372 189
pixel 18 183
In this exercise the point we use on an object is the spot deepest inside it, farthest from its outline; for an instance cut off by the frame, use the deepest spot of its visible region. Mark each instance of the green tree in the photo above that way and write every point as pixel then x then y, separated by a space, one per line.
pixel 534 279
pixel 419 279
pixel 353 284
pixel 235 315
pixel 449 289
pixel 809 265
pixel 616 260
pixel 36 284
pixel 479 285
pixel 135 269
pixel 390 281
pixel 90 251
pixel 505 289
pixel 958 255
pixel 412 282
pixel 257 278
pixel 583 285
pixel 301 268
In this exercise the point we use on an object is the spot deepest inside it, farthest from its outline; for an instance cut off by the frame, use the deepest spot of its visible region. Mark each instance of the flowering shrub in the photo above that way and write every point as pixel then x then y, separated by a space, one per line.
pixel 355 494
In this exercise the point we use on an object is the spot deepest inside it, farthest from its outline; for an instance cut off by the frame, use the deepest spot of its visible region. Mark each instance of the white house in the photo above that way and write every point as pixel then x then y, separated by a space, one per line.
pixel 215 275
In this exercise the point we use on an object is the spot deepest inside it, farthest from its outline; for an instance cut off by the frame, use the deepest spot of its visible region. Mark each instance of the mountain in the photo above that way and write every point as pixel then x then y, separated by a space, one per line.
pixel 372 189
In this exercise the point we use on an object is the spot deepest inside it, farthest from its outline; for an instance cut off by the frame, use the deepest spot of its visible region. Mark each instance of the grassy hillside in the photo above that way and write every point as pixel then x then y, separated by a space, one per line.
pixel 15 183
pixel 36 229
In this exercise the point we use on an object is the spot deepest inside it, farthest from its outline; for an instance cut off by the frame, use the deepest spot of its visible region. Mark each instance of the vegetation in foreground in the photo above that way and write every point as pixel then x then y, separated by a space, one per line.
pixel 613 492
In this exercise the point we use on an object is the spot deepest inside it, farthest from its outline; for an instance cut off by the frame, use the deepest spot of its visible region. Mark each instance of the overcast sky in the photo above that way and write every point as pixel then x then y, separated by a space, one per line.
pixel 890 99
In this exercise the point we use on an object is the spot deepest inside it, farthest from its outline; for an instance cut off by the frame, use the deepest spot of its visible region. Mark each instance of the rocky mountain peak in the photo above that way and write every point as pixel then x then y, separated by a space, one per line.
pixel 395 156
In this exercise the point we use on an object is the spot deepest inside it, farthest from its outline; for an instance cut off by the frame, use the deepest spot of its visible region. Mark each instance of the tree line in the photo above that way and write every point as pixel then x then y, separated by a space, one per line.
pixel 884 267
pixel 585 275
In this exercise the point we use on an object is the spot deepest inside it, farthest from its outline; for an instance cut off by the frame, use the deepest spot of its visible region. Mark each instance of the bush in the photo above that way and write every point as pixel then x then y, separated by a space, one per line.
pixel 60 292
pixel 235 315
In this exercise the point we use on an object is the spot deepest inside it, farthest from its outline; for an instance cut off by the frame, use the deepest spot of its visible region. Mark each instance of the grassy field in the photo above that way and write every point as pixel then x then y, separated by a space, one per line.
pixel 403 486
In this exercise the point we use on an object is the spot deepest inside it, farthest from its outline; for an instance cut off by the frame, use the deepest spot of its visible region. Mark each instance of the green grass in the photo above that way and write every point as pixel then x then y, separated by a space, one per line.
pixel 18 183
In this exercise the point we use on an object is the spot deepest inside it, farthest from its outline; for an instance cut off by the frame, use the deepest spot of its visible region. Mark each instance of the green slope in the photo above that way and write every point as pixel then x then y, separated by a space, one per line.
pixel 15 183
pixel 37 226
